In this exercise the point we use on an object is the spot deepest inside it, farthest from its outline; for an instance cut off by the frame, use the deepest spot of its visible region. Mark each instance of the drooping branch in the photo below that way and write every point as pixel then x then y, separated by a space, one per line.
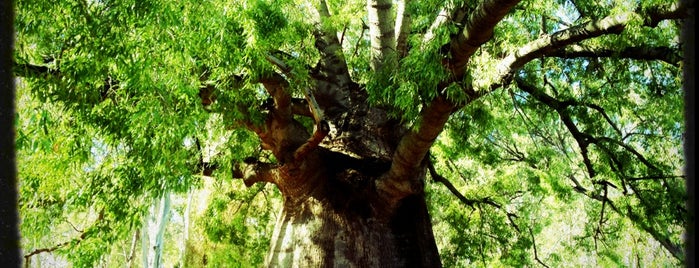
pixel 584 140
pixel 636 219
pixel 469 202
pixel 536 252
pixel 49 249
pixel 83 236
pixel 28 70
pixel 32 70
pixel 665 54
pixel 581 138
pixel 381 33
pixel 477 30
pixel 664 240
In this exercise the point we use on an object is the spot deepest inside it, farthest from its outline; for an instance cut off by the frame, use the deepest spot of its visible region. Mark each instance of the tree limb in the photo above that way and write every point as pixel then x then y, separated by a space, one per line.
pixel 399 181
pixel 478 30
pixel 536 253
pixel 581 138
pixel 253 171
pixel 666 54
pixel 448 13
pixel 381 33
pixel 403 21
pixel 321 126
pixel 332 58
pixel 552 43
pixel 469 202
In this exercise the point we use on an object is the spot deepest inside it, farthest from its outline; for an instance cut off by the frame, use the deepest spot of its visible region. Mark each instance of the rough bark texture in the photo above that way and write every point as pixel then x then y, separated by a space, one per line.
pixel 338 221
pixel 333 215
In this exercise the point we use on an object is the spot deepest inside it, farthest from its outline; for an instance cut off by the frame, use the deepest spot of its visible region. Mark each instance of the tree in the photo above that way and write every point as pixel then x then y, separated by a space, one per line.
pixel 348 108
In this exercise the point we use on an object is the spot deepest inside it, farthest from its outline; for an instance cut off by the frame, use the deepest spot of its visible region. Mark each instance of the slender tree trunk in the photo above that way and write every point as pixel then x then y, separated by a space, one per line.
pixel 132 252
pixel 154 231
pixel 185 233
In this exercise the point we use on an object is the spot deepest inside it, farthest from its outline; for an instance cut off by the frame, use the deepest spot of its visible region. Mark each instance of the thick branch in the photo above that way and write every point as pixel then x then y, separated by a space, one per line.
pixel 321 131
pixel 448 13
pixel 381 33
pixel 478 30
pixel 332 60
pixel 552 43
pixel 277 86
pixel 403 22
pixel 31 70
pixel 252 171
pixel 399 181
pixel 322 127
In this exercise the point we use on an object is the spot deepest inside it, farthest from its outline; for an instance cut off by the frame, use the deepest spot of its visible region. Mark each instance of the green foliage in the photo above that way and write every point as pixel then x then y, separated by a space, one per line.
pixel 117 120
pixel 238 224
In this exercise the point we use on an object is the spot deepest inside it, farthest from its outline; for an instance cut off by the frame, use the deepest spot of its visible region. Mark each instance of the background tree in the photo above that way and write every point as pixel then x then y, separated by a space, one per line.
pixel 554 129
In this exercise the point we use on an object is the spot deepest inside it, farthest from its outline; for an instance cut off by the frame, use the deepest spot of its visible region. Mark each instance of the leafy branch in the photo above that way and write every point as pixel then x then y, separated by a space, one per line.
pixel 466 201
pixel 556 43
pixel 74 241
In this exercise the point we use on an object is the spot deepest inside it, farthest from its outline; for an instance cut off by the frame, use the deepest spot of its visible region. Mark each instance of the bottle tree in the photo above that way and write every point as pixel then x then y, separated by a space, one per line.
pixel 352 109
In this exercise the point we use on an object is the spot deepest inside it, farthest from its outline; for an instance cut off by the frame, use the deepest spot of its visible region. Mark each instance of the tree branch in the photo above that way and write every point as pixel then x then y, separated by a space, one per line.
pixel 253 171
pixel 582 139
pixel 448 13
pixel 321 127
pixel 637 220
pixel 400 180
pixel 536 253
pixel 403 21
pixel 332 58
pixel 666 54
pixel 31 70
pixel 381 33
pixel 478 30
pixel 549 43
pixel 83 236
pixel 469 202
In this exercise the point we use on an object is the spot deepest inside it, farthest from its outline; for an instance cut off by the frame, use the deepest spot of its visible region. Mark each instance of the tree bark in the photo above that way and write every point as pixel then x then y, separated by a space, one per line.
pixel 334 215
pixel 339 220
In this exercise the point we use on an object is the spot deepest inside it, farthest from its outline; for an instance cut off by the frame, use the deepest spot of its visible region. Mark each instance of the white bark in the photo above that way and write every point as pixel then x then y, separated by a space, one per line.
pixel 381 33
pixel 154 231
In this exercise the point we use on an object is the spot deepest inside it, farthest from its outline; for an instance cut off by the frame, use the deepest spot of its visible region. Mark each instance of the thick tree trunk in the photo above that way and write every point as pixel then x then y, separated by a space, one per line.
pixel 338 220
pixel 353 188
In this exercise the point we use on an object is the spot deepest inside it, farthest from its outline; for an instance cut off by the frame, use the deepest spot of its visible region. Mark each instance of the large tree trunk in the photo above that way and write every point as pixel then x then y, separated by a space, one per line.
pixel 334 215
pixel 338 220
pixel 353 188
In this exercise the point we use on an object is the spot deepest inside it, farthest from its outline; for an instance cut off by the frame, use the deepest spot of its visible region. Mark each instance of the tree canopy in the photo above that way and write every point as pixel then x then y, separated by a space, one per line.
pixel 553 129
